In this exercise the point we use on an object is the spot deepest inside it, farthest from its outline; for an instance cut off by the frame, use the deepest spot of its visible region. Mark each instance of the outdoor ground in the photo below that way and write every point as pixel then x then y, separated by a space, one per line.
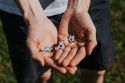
pixel 115 75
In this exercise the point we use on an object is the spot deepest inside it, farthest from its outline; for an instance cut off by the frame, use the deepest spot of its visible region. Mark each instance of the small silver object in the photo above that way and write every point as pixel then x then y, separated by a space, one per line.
pixel 47 49
pixel 60 46
pixel 71 38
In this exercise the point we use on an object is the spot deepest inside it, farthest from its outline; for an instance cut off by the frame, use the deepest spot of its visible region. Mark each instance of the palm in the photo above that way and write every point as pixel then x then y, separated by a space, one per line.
pixel 76 28
pixel 76 24
pixel 39 37
pixel 43 34
pixel 81 26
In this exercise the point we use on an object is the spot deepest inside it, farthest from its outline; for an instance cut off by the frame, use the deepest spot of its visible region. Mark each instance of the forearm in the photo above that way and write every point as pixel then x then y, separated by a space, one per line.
pixel 82 5
pixel 31 10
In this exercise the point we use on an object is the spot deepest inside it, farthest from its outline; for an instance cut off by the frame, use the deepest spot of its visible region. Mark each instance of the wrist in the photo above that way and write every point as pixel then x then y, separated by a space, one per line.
pixel 33 18
pixel 31 10
pixel 78 5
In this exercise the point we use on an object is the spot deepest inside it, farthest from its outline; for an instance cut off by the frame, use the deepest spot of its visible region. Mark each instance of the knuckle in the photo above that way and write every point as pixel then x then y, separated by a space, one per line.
pixel 69 58
pixel 64 63
pixel 72 64
pixel 56 58
pixel 59 61
pixel 68 48
pixel 71 54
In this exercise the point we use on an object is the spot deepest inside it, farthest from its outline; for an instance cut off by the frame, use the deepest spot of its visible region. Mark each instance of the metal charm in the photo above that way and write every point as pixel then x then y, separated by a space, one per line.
pixel 47 49
pixel 60 46
pixel 71 38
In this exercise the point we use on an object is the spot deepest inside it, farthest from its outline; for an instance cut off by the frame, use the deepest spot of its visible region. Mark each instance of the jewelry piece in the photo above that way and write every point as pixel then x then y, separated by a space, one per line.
pixel 60 46
pixel 71 38
pixel 47 49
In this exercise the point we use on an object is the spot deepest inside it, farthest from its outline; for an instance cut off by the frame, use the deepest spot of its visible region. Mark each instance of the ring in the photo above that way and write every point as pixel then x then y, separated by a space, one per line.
pixel 47 49
pixel 60 46
pixel 71 38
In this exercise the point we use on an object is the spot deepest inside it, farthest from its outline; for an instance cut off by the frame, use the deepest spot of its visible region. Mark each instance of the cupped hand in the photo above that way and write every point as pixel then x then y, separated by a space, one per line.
pixel 79 24
pixel 42 33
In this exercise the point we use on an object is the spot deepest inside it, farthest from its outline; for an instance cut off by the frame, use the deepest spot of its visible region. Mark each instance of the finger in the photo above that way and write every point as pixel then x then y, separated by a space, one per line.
pixel 79 57
pixel 53 65
pixel 40 58
pixel 90 46
pixel 71 70
pixel 51 54
pixel 81 44
pixel 91 35
pixel 58 54
pixel 70 56
pixel 64 54
pixel 91 42
pixel 34 51
pixel 73 45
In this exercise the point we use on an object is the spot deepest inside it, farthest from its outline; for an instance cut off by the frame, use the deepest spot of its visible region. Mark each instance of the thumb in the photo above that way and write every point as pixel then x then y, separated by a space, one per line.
pixel 35 54
pixel 91 32
pixel 63 28
pixel 91 42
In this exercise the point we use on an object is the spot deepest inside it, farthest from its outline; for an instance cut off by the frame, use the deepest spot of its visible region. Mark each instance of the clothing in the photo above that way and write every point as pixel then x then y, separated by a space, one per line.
pixel 25 68
pixel 28 71
pixel 103 55
pixel 51 7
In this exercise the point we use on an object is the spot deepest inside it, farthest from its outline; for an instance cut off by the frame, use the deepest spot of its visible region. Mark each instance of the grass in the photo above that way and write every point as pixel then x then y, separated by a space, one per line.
pixel 115 75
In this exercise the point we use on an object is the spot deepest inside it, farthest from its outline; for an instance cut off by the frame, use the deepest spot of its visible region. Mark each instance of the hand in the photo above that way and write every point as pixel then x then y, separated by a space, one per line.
pixel 79 24
pixel 42 33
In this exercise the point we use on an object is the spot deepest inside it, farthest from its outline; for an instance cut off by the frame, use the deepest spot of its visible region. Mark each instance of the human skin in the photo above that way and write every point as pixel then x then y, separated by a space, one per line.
pixel 40 36
pixel 76 21
pixel 35 19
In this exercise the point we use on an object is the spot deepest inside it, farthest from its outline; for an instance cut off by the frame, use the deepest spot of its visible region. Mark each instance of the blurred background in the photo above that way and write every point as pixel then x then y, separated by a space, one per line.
pixel 115 75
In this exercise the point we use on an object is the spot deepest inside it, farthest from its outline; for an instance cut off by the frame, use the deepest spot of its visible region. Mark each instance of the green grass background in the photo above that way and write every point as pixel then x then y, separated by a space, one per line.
pixel 115 75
